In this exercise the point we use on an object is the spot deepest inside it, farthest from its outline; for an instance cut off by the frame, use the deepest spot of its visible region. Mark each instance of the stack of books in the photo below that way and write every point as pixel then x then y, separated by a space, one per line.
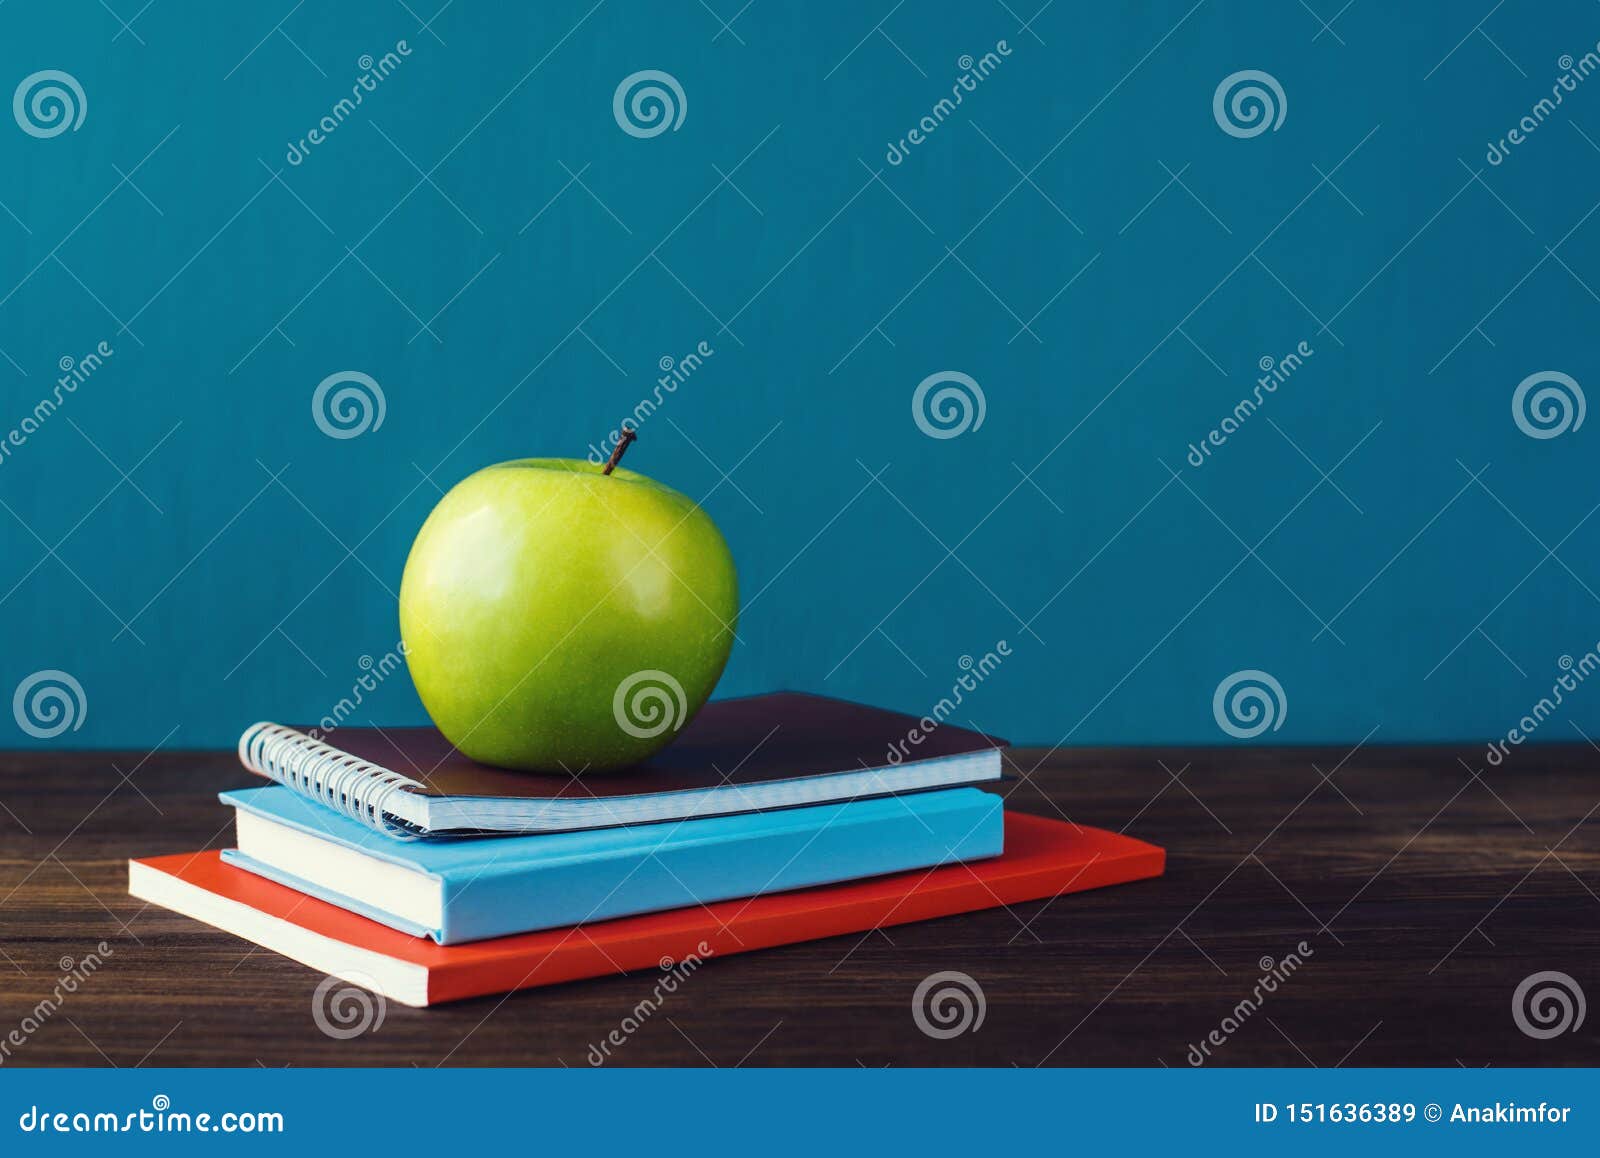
pixel 385 857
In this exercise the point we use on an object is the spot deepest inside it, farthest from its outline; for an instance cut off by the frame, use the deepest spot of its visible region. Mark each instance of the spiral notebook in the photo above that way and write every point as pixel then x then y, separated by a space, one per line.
pixel 783 750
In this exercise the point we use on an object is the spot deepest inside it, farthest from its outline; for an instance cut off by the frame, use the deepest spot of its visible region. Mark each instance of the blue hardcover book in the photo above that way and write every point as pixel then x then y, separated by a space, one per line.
pixel 467 889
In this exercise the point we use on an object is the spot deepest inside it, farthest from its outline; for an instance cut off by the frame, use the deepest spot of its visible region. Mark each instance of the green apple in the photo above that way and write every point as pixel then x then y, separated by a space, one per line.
pixel 559 615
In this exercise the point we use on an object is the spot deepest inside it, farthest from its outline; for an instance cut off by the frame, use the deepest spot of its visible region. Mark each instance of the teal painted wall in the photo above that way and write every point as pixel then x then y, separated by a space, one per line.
pixel 1080 236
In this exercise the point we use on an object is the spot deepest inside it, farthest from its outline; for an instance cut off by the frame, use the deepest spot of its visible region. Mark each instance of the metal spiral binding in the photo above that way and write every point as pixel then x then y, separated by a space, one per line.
pixel 356 788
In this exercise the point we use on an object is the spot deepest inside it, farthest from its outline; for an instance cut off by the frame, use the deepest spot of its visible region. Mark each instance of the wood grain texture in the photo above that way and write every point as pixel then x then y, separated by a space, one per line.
pixel 1424 891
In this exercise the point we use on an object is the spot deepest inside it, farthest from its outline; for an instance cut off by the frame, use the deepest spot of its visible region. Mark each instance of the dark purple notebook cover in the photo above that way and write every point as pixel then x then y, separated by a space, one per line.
pixel 752 740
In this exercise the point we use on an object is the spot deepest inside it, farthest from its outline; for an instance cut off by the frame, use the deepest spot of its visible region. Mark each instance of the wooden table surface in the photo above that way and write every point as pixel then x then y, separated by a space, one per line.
pixel 1425 886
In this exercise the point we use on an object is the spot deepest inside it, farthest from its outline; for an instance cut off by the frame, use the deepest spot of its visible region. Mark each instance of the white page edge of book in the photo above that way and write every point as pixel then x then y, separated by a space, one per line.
pixel 443 814
pixel 391 978
pixel 402 891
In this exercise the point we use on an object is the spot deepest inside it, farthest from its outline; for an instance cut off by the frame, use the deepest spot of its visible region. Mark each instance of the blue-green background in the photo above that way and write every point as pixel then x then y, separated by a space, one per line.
pixel 256 598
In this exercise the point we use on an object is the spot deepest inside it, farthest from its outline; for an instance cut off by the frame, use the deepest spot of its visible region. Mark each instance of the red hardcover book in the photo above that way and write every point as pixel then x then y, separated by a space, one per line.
pixel 1043 858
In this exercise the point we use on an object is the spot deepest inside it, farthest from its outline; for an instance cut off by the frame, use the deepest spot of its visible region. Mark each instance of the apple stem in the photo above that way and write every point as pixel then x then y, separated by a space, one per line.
pixel 621 449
